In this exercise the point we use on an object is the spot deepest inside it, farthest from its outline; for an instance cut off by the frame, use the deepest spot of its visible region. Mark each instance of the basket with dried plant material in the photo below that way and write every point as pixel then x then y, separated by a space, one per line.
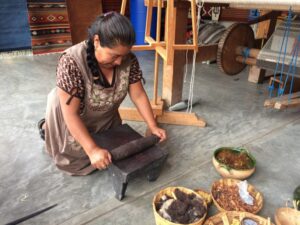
pixel 237 218
pixel 226 195
pixel 287 216
pixel 179 205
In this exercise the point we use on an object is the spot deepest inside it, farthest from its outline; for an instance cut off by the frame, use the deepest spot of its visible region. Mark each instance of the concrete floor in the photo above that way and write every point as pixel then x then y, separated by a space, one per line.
pixel 232 106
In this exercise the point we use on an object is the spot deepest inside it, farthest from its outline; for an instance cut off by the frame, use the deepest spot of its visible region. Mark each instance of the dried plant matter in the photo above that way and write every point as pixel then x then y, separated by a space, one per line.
pixel 229 199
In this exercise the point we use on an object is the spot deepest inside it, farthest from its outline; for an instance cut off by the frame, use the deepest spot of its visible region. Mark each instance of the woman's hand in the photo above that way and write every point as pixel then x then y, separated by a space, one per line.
pixel 100 158
pixel 161 133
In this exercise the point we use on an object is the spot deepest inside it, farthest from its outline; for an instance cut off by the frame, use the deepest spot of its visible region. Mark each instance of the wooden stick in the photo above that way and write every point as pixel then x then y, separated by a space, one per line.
pixel 155 84
pixel 142 47
pixel 253 52
pixel 185 47
pixel 248 61
pixel 149 18
pixel 194 25
pixel 158 22
pixel 156 64
pixel 20 220
pixel 123 7
pixel 269 103
pixel 181 118
pixel 177 118
pixel 162 52
pixel 170 32
pixel 287 103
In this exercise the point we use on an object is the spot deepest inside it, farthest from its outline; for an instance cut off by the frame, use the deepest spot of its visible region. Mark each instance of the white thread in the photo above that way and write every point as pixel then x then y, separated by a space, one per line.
pixel 191 90
pixel 186 65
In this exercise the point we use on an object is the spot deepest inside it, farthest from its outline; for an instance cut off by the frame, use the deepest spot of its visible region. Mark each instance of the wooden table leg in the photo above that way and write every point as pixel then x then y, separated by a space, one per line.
pixel 119 180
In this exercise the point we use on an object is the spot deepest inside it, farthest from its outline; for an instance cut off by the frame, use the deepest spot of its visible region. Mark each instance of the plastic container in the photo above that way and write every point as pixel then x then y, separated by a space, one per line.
pixel 138 13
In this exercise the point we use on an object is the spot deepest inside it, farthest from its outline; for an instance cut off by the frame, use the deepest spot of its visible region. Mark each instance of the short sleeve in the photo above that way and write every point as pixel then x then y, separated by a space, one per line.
pixel 69 77
pixel 135 71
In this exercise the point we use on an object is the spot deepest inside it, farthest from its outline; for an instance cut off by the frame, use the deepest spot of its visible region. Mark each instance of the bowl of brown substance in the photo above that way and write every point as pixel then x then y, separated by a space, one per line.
pixel 235 163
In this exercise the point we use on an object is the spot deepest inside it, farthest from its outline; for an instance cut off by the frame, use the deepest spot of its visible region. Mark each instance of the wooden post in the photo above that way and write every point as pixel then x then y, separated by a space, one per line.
pixel 173 68
pixel 81 14
pixel 123 7
pixel 156 65
pixel 257 75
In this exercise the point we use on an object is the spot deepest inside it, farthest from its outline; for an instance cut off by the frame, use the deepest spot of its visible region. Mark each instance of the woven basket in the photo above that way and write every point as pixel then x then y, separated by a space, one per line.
pixel 233 182
pixel 205 195
pixel 169 191
pixel 287 216
pixel 226 218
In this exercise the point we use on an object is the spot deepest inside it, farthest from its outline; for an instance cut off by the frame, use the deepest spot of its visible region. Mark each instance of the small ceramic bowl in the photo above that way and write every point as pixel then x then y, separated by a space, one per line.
pixel 231 166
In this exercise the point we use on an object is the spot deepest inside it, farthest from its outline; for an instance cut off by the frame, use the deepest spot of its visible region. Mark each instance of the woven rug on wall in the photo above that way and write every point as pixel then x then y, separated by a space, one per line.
pixel 49 26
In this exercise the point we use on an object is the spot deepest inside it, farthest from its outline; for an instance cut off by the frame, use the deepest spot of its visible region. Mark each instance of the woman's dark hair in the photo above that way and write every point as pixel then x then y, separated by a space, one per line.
pixel 113 29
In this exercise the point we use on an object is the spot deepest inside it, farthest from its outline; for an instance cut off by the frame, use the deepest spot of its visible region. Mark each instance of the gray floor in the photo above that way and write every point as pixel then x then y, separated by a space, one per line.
pixel 232 106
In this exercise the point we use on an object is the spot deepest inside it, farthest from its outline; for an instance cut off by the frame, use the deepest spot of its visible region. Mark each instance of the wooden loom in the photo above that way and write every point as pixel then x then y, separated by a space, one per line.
pixel 229 55
pixel 239 38
pixel 172 87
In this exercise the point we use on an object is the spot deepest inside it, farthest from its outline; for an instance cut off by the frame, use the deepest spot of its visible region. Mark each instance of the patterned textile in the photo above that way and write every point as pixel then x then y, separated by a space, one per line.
pixel 49 26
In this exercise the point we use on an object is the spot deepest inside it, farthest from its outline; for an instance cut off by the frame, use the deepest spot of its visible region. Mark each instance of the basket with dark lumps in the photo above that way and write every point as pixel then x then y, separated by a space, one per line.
pixel 179 205
pixel 235 163
pixel 236 218
pixel 226 197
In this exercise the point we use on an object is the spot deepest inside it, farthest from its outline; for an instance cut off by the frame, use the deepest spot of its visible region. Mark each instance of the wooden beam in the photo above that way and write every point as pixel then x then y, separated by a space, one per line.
pixel 155 3
pixel 173 70
pixel 156 63
pixel 162 52
pixel 128 113
pixel 175 118
pixel 205 52
pixel 181 118
pixel 142 48
pixel 185 47
pixel 149 18
pixel 255 74
pixel 194 25
pixel 283 104
pixel 270 103
pixel 123 7
pixel 253 52
pixel 248 61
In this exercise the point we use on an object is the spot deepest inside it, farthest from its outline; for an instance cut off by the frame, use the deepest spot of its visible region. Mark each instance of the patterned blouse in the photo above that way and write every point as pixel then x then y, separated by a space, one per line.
pixel 69 77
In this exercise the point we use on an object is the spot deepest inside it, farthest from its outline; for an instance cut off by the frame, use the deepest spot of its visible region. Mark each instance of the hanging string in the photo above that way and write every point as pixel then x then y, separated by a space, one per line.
pixel 191 90
pixel 289 21
pixel 271 87
pixel 292 67
pixel 186 65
